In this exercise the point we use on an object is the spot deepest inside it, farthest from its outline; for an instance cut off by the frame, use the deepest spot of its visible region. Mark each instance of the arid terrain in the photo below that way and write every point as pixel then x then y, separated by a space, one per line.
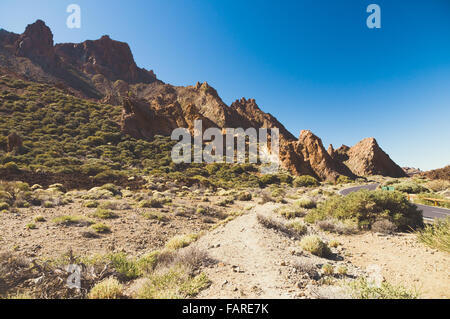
pixel 87 180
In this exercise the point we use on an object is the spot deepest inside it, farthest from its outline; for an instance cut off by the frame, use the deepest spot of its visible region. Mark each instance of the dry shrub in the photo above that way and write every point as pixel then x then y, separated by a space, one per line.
pixel 315 246
pixel 438 185
pixel 384 227
pixel 281 227
pixel 109 288
pixel 307 267
pixel 339 227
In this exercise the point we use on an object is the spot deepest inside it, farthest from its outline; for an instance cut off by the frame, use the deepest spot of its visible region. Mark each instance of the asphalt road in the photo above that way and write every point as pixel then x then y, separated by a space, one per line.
pixel 429 212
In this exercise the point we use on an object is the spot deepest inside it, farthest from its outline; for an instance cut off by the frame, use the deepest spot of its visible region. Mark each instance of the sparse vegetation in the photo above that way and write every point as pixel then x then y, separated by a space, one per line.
pixel 39 219
pixel 363 289
pixel 181 241
pixel 315 246
pixel 305 181
pixel 342 270
pixel 173 283
pixel 244 196
pixel 102 213
pixel 294 229
pixel 366 207
pixel 156 216
pixel 72 220
pixel 101 228
pixel 109 288
pixel 305 203
pixel 345 227
pixel 436 235
pixel 31 226
pixel 384 226
pixel 328 270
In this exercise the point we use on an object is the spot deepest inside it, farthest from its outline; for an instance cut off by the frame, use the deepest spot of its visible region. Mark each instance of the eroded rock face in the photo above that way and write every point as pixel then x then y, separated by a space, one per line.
pixel 251 113
pixel 141 121
pixel 367 158
pixel 105 70
pixel 7 38
pixel 110 58
pixel 36 43
pixel 320 161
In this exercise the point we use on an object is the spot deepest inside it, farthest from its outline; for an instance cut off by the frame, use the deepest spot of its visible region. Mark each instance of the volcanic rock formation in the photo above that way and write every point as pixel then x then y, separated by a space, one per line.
pixel 105 70
pixel 367 158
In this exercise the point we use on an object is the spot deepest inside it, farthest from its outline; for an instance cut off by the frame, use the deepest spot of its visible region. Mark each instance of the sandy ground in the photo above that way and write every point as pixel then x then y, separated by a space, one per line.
pixel 254 262
pixel 248 256
pixel 403 261
pixel 130 231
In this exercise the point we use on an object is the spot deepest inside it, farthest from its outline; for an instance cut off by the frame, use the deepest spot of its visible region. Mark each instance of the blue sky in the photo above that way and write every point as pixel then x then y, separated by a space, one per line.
pixel 312 64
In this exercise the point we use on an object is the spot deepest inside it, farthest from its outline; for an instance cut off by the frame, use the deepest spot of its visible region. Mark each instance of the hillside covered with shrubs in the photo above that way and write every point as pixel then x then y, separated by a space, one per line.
pixel 78 142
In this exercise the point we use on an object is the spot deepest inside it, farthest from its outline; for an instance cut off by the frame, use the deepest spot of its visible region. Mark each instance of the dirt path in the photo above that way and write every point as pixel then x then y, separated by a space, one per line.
pixel 250 259
pixel 255 262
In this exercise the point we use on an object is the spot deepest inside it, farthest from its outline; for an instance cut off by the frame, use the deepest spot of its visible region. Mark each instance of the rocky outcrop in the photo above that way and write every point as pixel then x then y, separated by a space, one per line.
pixel 252 114
pixel 440 173
pixel 105 70
pixel 110 58
pixel 90 68
pixel 36 43
pixel 411 171
pixel 367 158
pixel 14 142
pixel 8 38
pixel 331 151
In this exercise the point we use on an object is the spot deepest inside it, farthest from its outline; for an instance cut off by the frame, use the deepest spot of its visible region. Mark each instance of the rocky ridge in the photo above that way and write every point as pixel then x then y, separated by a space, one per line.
pixel 105 70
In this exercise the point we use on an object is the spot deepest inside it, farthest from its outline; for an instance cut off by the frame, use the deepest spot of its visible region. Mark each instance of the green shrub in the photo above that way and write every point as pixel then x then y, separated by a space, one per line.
pixel 333 243
pixel 328 270
pixel 39 219
pixel 305 203
pixel 181 241
pixel 112 188
pixel 173 283
pixel 305 181
pixel 299 227
pixel 72 220
pixel 315 246
pixel 4 206
pixel 155 215
pixel 147 263
pixel 410 188
pixel 366 207
pixel 342 270
pixel 290 211
pixel 109 288
pixel 342 179
pixel 124 266
pixel 201 211
pixel 91 204
pixel 244 196
pixel 225 202
pixel 31 226
pixel 269 179
pixel 151 203
pixel 101 228
pixel 104 214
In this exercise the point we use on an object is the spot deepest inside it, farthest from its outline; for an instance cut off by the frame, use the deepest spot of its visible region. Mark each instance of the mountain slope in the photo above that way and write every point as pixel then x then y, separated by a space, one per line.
pixel 104 71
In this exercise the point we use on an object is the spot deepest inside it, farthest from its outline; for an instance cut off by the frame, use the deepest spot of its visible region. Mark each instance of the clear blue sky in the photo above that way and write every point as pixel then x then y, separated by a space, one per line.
pixel 313 64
